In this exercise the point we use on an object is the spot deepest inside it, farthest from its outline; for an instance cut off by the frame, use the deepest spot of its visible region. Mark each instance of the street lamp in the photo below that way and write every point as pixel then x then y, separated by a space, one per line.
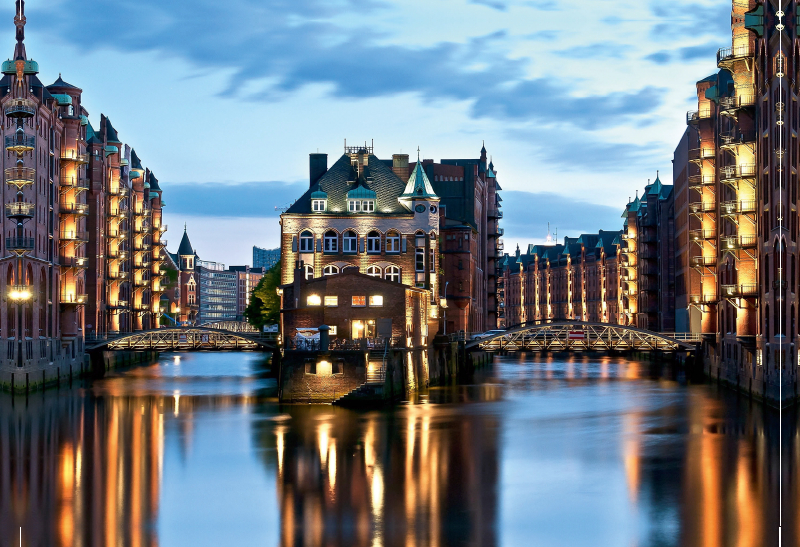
pixel 445 306
pixel 19 294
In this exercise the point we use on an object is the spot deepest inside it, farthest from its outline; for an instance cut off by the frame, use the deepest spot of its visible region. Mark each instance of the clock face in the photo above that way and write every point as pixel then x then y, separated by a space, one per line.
pixel 420 208
pixel 433 208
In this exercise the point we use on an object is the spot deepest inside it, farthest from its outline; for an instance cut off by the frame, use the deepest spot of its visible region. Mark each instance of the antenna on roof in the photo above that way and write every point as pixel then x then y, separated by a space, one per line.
pixel 417 154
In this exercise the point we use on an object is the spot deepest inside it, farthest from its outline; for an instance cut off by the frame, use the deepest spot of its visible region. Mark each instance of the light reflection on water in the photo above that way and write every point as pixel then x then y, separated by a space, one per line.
pixel 194 450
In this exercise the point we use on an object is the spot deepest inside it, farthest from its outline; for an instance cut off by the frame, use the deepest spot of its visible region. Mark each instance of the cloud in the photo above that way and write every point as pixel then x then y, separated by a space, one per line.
pixel 703 51
pixel 526 214
pixel 659 57
pixel 543 5
pixel 690 19
pixel 604 50
pixel 285 45
pixel 499 6
pixel 543 36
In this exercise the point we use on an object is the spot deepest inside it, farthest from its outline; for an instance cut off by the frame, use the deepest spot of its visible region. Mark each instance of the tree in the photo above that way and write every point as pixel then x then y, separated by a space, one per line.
pixel 265 304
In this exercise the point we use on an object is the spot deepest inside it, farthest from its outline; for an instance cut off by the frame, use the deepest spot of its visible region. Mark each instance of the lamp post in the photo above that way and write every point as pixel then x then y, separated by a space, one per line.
pixel 20 294
pixel 446 283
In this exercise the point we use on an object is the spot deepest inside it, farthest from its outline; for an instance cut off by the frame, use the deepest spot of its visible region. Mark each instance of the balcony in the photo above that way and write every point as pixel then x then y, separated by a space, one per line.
pixel 700 154
pixel 118 304
pixel 143 265
pixel 140 282
pixel 699 181
pixel 117 275
pixel 703 261
pixel 732 243
pixel 728 55
pixel 72 156
pixel 705 298
pixel 76 183
pixel 142 307
pixel 500 246
pixel 729 105
pixel 20 210
pixel 73 299
pixel 79 262
pixel 119 190
pixel 117 233
pixel 730 139
pixel 732 172
pixel 20 176
pixel 143 228
pixel 20 143
pixel 72 208
pixel 733 208
pixel 20 108
pixel 647 254
pixel 74 235
pixel 700 207
pixel 20 245
pixel 693 117
pixel 495 213
pixel 117 254
pixel 739 291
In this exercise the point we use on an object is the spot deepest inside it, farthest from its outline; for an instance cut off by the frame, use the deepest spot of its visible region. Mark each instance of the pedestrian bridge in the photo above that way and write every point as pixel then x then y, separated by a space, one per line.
pixel 584 336
pixel 228 335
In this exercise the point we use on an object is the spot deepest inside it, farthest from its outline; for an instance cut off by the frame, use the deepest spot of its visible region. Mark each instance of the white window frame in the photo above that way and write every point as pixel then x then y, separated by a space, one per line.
pixel 318 205
pixel 393 242
pixel 330 242
pixel 354 206
pixel 374 271
pixel 309 271
pixel 352 240
pixel 376 301
pixel 331 302
pixel 330 270
pixel 419 253
pixel 374 243
pixel 304 240
pixel 392 273
pixel 368 206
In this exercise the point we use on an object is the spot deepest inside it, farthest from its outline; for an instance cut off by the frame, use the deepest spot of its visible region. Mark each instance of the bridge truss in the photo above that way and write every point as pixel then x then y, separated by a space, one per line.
pixel 186 339
pixel 579 336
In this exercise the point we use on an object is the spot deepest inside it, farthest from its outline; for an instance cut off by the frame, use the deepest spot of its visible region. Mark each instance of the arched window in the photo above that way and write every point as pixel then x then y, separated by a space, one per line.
pixel 373 242
pixel 330 270
pixel 331 242
pixel 393 242
pixel 306 242
pixel 393 274
pixel 350 242
pixel 309 271
pixel 374 271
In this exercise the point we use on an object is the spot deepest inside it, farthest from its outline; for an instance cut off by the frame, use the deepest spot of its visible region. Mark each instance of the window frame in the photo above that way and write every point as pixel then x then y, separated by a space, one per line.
pixel 330 243
pixel 354 206
pixel 350 239
pixel 368 206
pixel 378 271
pixel 331 301
pixel 315 203
pixel 390 272
pixel 303 238
pixel 419 265
pixel 372 240
pixel 393 242
pixel 376 301
pixel 361 303
pixel 334 270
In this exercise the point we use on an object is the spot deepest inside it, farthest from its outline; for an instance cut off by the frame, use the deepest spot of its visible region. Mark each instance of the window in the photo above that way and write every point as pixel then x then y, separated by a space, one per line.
pixel 306 242
pixel 373 242
pixel 374 271
pixel 309 272
pixel 330 270
pixel 354 206
pixel 393 242
pixel 432 261
pixel 350 242
pixel 359 301
pixel 375 300
pixel 368 206
pixel 318 205
pixel 332 332
pixel 331 242
pixel 393 274
pixel 313 300
pixel 420 260
pixel 331 301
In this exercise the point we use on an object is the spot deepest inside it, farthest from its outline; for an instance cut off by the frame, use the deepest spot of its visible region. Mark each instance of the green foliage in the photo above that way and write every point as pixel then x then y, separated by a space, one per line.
pixel 265 304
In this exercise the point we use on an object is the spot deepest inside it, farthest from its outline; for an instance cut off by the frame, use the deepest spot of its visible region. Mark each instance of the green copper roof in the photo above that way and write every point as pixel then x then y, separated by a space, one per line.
pixel 91 136
pixel 153 183
pixel 319 194
pixel 111 150
pixel 84 120
pixel 655 188
pixel 62 99
pixel 111 133
pixel 361 192
pixel 634 206
pixel 418 185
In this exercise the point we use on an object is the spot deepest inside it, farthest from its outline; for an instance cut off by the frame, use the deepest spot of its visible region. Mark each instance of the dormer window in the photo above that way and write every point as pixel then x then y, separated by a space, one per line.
pixel 368 206
pixel 354 206
pixel 318 205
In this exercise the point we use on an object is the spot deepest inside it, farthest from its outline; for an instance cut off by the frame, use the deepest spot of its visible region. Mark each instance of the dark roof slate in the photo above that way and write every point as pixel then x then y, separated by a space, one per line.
pixel 60 83
pixel 185 248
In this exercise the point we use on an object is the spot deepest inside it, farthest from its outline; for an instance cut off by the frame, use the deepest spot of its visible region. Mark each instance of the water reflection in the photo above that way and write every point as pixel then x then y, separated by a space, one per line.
pixel 536 452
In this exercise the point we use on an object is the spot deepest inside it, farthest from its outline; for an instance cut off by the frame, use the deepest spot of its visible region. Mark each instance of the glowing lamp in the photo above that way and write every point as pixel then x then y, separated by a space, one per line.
pixel 314 300
pixel 20 293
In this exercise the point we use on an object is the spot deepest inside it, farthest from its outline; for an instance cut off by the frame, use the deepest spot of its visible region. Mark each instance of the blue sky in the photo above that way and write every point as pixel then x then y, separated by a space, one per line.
pixel 579 102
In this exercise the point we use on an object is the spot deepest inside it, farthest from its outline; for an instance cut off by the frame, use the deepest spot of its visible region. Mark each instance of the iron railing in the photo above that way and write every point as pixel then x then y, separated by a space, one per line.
pixel 20 244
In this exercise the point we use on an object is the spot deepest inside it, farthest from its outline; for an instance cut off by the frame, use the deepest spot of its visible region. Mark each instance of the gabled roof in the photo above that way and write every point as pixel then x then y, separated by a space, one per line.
pixel 91 136
pixel 136 163
pixel 60 83
pixel 111 133
pixel 154 187
pixel 343 177
pixel 655 188
pixel 418 185
pixel 185 248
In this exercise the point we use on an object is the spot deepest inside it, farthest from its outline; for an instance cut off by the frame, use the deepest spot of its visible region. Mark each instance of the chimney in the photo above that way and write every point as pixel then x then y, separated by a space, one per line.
pixel 317 166
pixel 400 166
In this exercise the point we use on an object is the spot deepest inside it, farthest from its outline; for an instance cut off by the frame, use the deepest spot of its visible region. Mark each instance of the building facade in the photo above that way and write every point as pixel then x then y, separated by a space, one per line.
pixel 742 222
pixel 59 176
pixel 265 258
pixel 247 279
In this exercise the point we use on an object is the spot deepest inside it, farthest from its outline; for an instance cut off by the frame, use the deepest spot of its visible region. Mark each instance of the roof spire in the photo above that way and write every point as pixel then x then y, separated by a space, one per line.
pixel 417 154
pixel 19 22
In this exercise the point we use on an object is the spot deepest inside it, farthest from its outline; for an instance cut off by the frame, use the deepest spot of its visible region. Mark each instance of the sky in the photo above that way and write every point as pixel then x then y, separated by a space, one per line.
pixel 579 103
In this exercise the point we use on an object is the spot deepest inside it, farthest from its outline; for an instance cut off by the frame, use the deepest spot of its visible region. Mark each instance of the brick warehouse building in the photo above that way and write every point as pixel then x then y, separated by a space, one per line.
pixel 59 221
pixel 359 213
pixel 738 238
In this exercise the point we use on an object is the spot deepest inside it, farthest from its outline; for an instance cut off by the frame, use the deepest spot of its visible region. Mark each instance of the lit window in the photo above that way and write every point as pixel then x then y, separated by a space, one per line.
pixel 368 206
pixel 313 300
pixel 306 242
pixel 332 301
pixel 359 301
pixel 332 332
pixel 375 300
pixel 374 271
pixel 432 261
pixel 309 272
pixel 373 242
pixel 393 274
pixel 330 270
pixel 354 206
pixel 318 205
pixel 350 242
pixel 420 260
pixel 392 242
pixel 331 242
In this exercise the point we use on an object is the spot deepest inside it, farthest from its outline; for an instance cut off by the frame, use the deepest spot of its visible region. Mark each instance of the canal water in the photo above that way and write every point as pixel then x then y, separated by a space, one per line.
pixel 536 451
